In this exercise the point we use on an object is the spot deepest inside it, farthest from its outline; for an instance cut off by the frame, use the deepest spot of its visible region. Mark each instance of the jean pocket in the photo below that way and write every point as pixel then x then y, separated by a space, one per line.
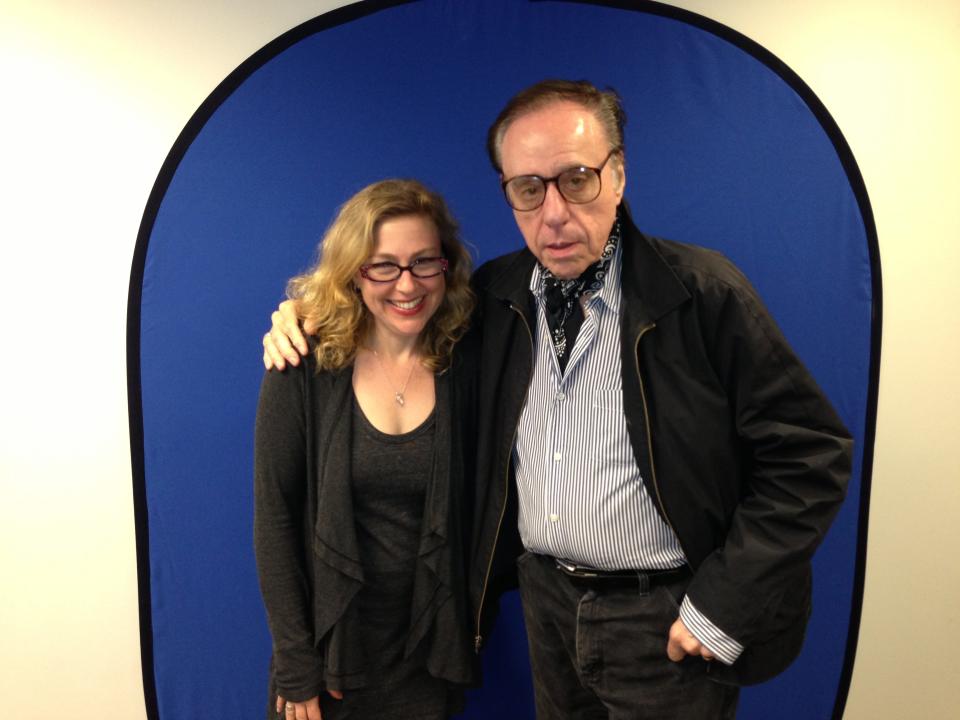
pixel 668 598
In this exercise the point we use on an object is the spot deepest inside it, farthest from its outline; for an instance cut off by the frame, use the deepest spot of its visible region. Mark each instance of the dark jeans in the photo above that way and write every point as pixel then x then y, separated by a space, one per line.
pixel 599 651
pixel 421 697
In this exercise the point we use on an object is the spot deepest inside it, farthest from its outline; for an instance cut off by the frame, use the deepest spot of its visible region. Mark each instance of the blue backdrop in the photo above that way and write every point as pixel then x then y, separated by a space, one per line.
pixel 725 148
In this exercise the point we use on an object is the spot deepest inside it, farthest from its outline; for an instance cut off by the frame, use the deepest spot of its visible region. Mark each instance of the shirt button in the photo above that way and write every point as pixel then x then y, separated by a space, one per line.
pixel 554 517
pixel 561 397
pixel 557 457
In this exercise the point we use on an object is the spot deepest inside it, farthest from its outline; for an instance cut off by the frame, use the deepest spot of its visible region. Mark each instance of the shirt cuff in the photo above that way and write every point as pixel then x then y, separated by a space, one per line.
pixel 724 647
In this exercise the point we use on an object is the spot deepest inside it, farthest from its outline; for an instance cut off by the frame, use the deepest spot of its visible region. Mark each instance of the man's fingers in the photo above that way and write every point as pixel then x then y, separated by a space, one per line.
pixel 278 347
pixel 681 642
pixel 287 321
pixel 310 327
pixel 268 362
pixel 336 694
pixel 674 651
pixel 280 703
pixel 286 338
pixel 271 358
pixel 285 342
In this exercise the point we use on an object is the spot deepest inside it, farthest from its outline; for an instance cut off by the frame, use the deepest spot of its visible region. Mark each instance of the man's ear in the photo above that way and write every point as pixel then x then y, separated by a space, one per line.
pixel 620 172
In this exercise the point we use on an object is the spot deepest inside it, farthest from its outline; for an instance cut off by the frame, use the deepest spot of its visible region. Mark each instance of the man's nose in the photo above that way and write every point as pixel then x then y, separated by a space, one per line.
pixel 555 209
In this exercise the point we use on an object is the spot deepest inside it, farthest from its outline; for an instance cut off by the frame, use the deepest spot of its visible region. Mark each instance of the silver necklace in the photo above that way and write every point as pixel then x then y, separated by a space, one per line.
pixel 397 394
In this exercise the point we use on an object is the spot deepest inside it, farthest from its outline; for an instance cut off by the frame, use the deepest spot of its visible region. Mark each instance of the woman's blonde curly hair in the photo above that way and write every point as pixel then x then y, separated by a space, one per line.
pixel 327 294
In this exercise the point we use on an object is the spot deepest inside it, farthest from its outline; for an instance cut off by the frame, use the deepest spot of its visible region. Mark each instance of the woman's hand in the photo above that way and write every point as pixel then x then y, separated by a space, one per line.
pixel 306 710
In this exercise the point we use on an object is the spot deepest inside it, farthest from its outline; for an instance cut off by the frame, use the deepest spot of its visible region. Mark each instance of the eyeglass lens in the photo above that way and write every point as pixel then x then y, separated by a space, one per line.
pixel 577 185
pixel 422 268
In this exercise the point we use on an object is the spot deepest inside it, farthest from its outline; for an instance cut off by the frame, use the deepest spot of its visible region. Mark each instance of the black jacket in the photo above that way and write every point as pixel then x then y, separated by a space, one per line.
pixel 306 544
pixel 741 452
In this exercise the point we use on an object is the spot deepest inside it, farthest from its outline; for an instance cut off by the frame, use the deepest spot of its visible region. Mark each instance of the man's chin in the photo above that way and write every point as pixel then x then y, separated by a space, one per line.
pixel 565 269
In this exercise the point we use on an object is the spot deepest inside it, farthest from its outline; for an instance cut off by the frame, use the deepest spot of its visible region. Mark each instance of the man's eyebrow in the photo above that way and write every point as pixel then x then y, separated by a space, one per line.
pixel 572 166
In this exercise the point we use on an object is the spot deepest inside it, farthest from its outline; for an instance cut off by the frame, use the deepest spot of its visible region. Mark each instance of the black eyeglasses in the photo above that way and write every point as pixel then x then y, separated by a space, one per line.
pixel 579 184
pixel 426 267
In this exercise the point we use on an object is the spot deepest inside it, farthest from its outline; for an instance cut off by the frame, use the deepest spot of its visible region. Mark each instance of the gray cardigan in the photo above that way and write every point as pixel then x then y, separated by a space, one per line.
pixel 306 544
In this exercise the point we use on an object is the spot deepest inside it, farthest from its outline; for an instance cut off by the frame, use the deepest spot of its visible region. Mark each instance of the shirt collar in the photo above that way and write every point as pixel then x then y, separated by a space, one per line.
pixel 609 294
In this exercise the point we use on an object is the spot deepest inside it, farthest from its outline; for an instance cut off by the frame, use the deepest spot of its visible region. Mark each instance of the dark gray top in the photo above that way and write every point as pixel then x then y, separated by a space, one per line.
pixel 389 479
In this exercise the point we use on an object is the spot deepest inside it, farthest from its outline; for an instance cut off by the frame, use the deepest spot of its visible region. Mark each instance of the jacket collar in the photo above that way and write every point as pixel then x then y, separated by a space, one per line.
pixel 651 288
pixel 512 283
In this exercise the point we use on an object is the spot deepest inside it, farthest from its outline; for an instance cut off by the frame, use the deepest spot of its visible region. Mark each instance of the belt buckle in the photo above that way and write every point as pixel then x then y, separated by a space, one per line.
pixel 574 570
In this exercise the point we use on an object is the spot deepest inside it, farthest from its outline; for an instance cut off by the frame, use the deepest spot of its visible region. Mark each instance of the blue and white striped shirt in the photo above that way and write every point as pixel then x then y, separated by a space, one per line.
pixel 581 495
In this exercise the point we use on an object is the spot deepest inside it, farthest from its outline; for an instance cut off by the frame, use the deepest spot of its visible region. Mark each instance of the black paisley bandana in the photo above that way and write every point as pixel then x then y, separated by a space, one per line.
pixel 561 297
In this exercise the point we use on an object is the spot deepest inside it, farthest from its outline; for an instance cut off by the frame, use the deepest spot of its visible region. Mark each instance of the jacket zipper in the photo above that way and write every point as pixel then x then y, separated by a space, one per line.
pixel 646 421
pixel 478 638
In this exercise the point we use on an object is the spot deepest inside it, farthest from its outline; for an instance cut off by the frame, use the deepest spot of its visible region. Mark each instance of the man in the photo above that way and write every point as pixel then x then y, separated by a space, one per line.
pixel 668 462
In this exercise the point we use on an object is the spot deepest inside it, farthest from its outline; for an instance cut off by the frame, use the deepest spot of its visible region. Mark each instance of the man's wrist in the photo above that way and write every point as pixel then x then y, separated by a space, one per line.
pixel 723 647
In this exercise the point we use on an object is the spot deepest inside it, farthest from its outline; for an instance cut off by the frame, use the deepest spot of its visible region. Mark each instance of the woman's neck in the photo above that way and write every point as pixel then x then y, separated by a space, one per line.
pixel 394 347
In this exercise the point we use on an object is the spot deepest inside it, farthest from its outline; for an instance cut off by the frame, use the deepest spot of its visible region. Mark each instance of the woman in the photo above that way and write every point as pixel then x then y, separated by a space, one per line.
pixel 360 456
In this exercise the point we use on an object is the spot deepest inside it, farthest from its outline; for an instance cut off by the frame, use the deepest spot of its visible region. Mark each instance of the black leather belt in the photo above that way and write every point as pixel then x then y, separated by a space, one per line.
pixel 643 579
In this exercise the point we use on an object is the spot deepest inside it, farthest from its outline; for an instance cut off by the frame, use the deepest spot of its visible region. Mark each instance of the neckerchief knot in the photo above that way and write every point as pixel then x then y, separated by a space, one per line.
pixel 562 297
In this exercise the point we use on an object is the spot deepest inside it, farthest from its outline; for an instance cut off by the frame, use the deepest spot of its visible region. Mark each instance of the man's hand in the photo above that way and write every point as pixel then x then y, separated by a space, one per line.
pixel 681 643
pixel 306 710
pixel 285 341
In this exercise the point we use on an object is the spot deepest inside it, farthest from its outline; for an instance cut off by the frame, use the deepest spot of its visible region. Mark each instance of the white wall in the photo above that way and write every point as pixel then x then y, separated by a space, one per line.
pixel 93 96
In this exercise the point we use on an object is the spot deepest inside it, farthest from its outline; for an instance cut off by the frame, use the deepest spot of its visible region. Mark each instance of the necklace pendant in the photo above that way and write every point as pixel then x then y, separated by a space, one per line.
pixel 397 394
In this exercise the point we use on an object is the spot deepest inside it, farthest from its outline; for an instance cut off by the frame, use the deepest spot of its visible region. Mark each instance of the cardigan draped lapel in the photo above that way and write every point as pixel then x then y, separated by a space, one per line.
pixel 339 573
pixel 337 567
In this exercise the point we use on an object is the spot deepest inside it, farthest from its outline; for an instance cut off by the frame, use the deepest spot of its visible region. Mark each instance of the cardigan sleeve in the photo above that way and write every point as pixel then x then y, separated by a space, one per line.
pixel 280 517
